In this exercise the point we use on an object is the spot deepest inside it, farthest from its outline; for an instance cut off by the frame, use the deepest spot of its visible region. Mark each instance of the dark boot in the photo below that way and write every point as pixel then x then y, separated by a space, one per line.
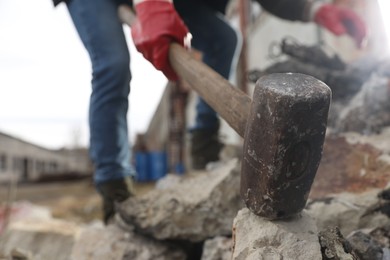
pixel 205 147
pixel 112 192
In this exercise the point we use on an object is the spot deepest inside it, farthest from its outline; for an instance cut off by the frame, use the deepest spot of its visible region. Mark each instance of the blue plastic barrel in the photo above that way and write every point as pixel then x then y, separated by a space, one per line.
pixel 158 164
pixel 142 166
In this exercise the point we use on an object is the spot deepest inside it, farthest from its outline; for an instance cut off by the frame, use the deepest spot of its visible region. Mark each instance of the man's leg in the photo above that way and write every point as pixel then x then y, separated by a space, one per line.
pixel 102 34
pixel 217 41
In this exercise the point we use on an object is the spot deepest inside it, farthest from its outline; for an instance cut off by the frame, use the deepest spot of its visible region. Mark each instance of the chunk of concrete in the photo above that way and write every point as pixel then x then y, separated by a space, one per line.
pixel 369 110
pixel 113 243
pixel 62 240
pixel 352 163
pixel 197 207
pixel 257 238
pixel 217 248
pixel 334 246
pixel 347 211
pixel 365 246
pixel 41 239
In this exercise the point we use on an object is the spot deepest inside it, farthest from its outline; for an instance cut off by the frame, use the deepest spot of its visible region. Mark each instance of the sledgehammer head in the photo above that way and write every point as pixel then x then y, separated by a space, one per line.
pixel 283 143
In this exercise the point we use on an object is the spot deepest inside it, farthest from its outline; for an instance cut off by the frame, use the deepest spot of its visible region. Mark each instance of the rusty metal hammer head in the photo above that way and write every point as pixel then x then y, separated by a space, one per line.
pixel 283 143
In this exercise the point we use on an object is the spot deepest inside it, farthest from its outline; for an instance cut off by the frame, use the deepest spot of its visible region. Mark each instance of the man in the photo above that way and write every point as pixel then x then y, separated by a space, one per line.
pixel 160 22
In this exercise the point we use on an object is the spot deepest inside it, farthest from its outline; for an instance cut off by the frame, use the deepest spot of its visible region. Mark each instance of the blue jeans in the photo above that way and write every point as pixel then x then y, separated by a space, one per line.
pixel 217 41
pixel 102 34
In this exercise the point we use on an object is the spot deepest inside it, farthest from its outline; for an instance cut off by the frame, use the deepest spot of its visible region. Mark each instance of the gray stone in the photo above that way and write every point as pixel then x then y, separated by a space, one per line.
pixel 40 239
pixel 352 162
pixel 380 141
pixel 199 206
pixel 218 248
pixel 369 110
pixel 334 246
pixel 386 254
pixel 112 243
pixel 346 211
pixel 256 238
pixel 365 246
pixel 61 240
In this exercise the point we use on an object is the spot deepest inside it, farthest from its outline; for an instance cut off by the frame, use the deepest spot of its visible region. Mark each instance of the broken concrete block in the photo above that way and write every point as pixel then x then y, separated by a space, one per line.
pixel 369 110
pixel 347 211
pixel 22 210
pixel 58 239
pixel 352 163
pixel 199 206
pixel 256 238
pixel 113 243
pixel 218 248
pixel 365 246
pixel 334 246
pixel 41 239
pixel 381 141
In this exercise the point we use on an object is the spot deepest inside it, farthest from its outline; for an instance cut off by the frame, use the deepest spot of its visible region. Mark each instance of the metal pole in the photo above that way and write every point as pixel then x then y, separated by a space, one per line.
pixel 242 65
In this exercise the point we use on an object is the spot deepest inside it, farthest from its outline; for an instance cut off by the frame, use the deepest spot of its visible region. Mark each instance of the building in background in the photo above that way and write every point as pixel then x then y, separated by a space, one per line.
pixel 24 161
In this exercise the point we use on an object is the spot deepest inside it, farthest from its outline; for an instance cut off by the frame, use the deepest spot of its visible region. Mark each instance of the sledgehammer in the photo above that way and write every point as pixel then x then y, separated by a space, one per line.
pixel 283 127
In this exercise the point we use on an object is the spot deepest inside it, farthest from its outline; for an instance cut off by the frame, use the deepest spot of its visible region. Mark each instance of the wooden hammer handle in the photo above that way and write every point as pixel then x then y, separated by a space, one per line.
pixel 231 104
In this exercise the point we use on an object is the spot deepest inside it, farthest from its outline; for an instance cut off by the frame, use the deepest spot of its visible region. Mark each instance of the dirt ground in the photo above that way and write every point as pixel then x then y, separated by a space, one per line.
pixel 75 200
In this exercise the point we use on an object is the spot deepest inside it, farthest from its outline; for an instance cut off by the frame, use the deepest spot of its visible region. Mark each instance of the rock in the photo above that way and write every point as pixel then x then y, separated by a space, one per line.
pixel 369 110
pixel 19 254
pixel 198 207
pixel 61 240
pixel 22 210
pixel 112 243
pixel 380 141
pixel 40 239
pixel 256 238
pixel 352 162
pixel 334 246
pixel 169 181
pixel 218 248
pixel 346 211
pixel 382 235
pixel 365 247
pixel 386 254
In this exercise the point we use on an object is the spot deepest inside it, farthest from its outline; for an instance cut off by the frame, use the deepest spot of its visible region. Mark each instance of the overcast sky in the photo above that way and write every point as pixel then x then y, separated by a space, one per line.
pixel 45 76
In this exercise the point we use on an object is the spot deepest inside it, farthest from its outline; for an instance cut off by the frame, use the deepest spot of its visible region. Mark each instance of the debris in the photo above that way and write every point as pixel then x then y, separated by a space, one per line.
pixel 334 246
pixel 314 55
pixel 198 207
pixel 365 247
pixel 257 238
pixel 218 248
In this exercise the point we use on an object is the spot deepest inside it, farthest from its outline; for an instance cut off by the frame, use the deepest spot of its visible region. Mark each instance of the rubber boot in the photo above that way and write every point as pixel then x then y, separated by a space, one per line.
pixel 112 192
pixel 205 147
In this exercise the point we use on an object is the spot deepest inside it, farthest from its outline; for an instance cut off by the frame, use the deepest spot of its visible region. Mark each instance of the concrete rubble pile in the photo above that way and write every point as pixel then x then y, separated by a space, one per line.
pixel 169 222
pixel 360 90
pixel 200 215
pixel 194 209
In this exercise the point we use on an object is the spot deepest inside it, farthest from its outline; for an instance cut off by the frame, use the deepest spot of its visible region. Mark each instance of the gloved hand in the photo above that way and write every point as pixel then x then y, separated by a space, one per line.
pixel 157 25
pixel 340 20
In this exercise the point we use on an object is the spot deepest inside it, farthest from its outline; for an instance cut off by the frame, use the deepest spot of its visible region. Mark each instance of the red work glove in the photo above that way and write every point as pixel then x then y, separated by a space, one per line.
pixel 340 21
pixel 158 25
